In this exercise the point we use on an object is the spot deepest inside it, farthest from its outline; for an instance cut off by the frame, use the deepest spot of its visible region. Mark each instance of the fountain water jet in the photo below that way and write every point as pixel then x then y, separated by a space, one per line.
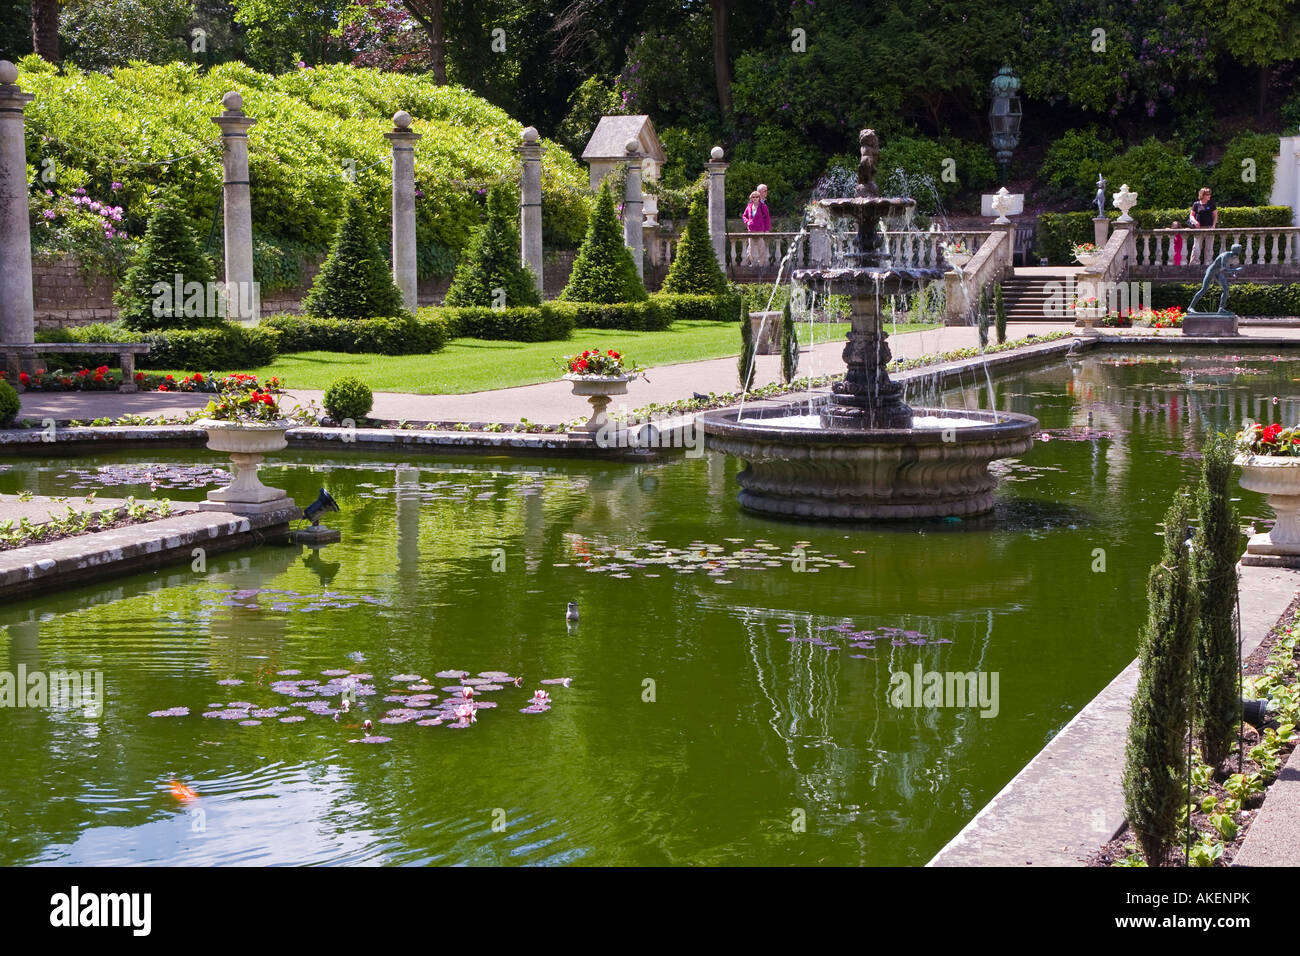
pixel 868 459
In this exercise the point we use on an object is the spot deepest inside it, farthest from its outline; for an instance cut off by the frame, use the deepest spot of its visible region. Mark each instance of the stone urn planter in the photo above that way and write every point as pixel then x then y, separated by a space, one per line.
pixel 957 260
pixel 598 390
pixel 1278 477
pixel 246 443
pixel 1087 260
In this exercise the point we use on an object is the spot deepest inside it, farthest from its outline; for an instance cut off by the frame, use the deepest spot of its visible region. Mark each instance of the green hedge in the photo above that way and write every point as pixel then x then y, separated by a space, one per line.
pixel 651 316
pixel 1245 298
pixel 386 336
pixel 1057 231
pixel 202 350
pixel 713 308
pixel 551 321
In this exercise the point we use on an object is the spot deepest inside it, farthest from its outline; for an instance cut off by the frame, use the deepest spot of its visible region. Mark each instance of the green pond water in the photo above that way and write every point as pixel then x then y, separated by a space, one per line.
pixel 753 749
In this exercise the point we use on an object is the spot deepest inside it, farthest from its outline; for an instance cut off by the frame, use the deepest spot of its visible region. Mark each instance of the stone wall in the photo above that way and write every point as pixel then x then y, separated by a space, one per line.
pixel 66 295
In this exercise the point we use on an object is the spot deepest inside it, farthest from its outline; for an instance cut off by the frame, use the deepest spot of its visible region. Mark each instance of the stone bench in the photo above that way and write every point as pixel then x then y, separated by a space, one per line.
pixel 15 355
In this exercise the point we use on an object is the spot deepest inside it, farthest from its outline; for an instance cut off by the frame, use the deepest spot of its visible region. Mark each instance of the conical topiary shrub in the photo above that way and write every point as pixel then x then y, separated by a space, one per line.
pixel 1155 757
pixel 491 272
pixel 169 249
pixel 603 270
pixel 695 269
pixel 1218 546
pixel 355 281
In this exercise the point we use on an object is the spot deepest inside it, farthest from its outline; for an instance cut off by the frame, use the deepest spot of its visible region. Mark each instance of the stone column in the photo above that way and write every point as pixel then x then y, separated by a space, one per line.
pixel 530 203
pixel 404 267
pixel 718 205
pixel 1008 229
pixel 17 325
pixel 632 208
pixel 241 302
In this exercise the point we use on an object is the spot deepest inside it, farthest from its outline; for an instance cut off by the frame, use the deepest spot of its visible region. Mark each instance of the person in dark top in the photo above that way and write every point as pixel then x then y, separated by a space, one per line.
pixel 1203 214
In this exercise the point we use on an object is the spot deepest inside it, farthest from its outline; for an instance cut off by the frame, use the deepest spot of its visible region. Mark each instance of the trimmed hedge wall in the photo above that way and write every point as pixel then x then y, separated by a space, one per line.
pixel 650 316
pixel 387 336
pixel 1245 298
pixel 549 322
pixel 713 308
pixel 203 350
pixel 1058 231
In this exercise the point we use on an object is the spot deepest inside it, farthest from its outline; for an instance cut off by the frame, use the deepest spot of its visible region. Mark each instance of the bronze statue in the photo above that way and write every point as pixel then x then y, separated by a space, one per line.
pixel 1218 271
pixel 868 150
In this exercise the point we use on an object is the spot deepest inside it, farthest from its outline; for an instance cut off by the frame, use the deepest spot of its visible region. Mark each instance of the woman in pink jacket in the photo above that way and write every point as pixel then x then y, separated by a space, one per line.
pixel 757 218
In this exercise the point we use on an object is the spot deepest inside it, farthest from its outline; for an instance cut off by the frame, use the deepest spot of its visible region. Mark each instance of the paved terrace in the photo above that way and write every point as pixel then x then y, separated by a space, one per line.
pixel 547 403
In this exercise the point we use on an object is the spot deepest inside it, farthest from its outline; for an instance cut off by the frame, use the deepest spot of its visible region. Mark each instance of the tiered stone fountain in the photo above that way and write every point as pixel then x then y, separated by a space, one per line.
pixel 866 454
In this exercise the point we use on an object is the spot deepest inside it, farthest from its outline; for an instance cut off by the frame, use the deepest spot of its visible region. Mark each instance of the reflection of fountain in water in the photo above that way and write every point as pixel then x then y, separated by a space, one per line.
pixel 851 753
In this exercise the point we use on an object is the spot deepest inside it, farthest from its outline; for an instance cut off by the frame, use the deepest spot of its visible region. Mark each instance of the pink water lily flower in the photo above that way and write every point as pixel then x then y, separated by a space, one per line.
pixel 466 712
pixel 541 697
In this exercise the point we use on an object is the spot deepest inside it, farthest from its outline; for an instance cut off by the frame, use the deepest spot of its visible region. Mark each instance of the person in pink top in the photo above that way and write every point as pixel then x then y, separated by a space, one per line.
pixel 757 218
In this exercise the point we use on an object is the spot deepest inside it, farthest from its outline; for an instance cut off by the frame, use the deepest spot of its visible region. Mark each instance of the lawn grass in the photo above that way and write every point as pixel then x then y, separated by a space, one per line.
pixel 473 365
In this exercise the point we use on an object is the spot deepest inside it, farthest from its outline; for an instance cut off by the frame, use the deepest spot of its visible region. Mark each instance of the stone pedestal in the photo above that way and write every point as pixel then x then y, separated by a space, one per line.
pixel 405 273
pixel 718 205
pixel 316 535
pixel 247 445
pixel 530 203
pixel 598 390
pixel 1100 231
pixel 632 209
pixel 17 324
pixel 766 327
pixel 1205 324
pixel 241 300
pixel 866 398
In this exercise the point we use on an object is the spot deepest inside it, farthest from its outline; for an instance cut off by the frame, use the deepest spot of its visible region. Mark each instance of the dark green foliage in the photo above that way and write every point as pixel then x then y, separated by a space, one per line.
pixel 1218 546
pixel 348 398
pixel 1226 178
pixel 649 316
pixel 713 308
pixel 1154 795
pixel 695 269
pixel 1072 163
pixel 603 270
pixel 1057 231
pixel 1247 298
pixel 745 364
pixel 230 346
pixel 914 166
pixel 403 335
pixel 549 322
pixel 1161 174
pixel 491 261
pixel 999 313
pixel 789 345
pixel 169 248
pixel 10 404
pixel 355 281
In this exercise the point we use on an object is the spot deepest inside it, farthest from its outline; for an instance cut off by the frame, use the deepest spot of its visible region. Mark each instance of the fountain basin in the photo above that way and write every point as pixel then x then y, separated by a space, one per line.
pixel 849 474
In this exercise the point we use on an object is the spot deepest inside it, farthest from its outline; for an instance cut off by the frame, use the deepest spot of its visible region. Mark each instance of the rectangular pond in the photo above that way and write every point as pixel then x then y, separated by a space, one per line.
pixel 731 676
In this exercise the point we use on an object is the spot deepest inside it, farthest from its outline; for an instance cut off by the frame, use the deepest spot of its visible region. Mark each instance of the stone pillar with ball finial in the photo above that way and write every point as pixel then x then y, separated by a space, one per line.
pixel 718 205
pixel 530 152
pixel 632 208
pixel 241 294
pixel 405 274
pixel 17 307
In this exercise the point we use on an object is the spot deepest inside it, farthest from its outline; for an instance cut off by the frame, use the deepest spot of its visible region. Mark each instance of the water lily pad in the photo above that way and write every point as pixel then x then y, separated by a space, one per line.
pixel 171 712
pixel 230 682
pixel 404 678
pixel 250 723
pixel 372 740
pixel 292 720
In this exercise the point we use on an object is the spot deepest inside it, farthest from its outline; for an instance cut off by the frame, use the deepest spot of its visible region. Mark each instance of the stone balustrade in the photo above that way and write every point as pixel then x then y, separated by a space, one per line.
pixel 1266 250
pixel 991 262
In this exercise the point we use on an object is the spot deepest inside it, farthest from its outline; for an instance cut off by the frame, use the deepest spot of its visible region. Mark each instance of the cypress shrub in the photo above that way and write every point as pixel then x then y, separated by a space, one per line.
pixel 355 281
pixel 492 260
pixel 1218 542
pixel 789 345
pixel 1154 794
pixel 745 364
pixel 695 269
pixel 999 313
pixel 603 270
pixel 169 249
